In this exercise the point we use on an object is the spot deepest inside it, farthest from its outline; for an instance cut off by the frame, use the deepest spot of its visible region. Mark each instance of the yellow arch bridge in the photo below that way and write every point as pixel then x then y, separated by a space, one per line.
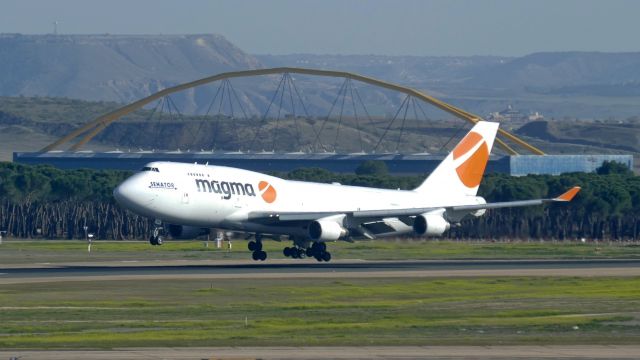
pixel 82 135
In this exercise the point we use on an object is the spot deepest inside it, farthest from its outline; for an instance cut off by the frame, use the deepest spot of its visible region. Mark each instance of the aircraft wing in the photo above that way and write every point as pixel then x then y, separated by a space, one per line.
pixel 565 197
pixel 310 216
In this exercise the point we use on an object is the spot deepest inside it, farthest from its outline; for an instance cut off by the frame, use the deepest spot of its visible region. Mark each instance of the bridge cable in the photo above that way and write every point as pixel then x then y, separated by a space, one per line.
pixel 128 139
pixel 417 118
pixel 304 107
pixel 374 129
pixel 275 132
pixel 404 120
pixel 213 100
pixel 244 113
pixel 170 114
pixel 391 123
pixel 455 134
pixel 235 94
pixel 181 118
pixel 219 113
pixel 344 98
pixel 425 118
pixel 266 113
pixel 329 114
pixel 233 115
pixel 293 109
pixel 159 121
pixel 155 110
pixel 355 115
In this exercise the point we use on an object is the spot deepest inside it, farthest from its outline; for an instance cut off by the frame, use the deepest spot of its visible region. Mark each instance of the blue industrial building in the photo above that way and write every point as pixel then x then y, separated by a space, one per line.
pixel 399 164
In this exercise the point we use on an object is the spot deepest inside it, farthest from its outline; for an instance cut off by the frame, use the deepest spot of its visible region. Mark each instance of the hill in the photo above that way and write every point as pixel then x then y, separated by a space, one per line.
pixel 547 71
pixel 112 67
pixel 560 84
pixel 123 68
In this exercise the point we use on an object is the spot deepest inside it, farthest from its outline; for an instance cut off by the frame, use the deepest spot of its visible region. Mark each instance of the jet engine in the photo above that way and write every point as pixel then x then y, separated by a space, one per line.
pixel 430 224
pixel 326 230
pixel 480 201
pixel 186 232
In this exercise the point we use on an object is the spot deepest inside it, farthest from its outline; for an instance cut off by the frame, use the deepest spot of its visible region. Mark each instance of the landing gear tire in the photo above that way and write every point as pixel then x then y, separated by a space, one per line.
pixel 317 251
pixel 319 247
pixel 326 256
pixel 259 255
pixel 155 240
pixel 254 245
pixel 296 253
pixel 256 248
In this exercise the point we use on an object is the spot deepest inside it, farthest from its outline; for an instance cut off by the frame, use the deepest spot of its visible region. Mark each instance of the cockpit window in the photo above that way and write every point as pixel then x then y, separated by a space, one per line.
pixel 147 168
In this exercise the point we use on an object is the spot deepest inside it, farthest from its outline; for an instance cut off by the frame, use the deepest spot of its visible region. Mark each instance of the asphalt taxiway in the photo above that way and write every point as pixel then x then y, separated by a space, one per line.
pixel 306 269
pixel 342 352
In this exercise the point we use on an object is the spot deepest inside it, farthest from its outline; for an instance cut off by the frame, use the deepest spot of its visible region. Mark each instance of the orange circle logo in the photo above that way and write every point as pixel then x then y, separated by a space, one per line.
pixel 268 192
pixel 471 170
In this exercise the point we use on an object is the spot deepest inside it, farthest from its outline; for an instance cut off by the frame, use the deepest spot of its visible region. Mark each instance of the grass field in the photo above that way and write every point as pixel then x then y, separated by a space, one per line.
pixel 16 251
pixel 476 311
pixel 301 312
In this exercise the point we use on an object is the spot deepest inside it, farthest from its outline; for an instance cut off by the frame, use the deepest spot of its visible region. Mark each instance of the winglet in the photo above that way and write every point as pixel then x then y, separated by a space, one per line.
pixel 568 196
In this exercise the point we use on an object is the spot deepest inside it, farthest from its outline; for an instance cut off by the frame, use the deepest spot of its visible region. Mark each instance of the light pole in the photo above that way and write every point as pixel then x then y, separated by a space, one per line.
pixel 86 238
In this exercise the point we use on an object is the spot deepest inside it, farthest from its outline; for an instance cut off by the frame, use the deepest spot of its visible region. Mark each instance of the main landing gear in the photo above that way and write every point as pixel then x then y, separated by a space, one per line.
pixel 256 247
pixel 156 239
pixel 318 250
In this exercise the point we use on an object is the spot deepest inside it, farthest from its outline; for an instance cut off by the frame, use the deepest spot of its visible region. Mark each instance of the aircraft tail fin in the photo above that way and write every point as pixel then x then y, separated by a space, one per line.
pixel 460 173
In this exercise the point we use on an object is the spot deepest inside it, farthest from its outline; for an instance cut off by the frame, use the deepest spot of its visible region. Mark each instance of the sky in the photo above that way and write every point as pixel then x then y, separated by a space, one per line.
pixel 384 27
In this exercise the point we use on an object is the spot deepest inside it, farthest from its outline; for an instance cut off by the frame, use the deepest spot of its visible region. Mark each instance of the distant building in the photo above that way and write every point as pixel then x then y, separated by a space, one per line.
pixel 512 115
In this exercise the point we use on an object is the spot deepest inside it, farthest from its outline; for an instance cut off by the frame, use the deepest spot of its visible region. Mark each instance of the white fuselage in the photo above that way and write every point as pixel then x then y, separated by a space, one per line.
pixel 223 197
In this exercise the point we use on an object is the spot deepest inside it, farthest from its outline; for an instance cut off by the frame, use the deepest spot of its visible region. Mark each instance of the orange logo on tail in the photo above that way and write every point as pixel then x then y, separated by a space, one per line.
pixel 471 170
pixel 268 191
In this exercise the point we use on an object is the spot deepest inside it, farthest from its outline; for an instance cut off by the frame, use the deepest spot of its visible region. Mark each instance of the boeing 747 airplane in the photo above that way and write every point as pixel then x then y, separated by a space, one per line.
pixel 189 199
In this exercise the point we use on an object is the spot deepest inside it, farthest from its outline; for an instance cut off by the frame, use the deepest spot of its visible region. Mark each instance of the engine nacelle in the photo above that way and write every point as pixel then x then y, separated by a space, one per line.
pixel 480 201
pixel 186 232
pixel 326 230
pixel 430 224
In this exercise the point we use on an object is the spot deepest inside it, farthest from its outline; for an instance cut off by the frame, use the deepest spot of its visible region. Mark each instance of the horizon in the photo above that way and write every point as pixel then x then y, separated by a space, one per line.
pixel 355 27
pixel 319 54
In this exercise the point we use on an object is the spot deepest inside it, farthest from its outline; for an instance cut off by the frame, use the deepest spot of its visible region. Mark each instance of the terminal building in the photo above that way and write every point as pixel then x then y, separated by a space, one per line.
pixel 398 164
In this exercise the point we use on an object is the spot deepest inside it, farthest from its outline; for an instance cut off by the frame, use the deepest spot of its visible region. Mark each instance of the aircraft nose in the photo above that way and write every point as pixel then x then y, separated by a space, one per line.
pixel 123 193
pixel 133 194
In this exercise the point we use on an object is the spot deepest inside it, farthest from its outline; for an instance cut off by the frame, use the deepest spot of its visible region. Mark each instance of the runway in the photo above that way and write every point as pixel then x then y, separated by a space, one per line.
pixel 342 352
pixel 307 269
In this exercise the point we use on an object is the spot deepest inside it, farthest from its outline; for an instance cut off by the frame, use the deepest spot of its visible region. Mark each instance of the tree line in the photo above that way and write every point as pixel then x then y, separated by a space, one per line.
pixel 44 202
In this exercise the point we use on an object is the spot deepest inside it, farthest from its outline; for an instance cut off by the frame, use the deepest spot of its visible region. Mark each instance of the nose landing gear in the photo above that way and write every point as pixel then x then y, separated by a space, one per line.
pixel 155 238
